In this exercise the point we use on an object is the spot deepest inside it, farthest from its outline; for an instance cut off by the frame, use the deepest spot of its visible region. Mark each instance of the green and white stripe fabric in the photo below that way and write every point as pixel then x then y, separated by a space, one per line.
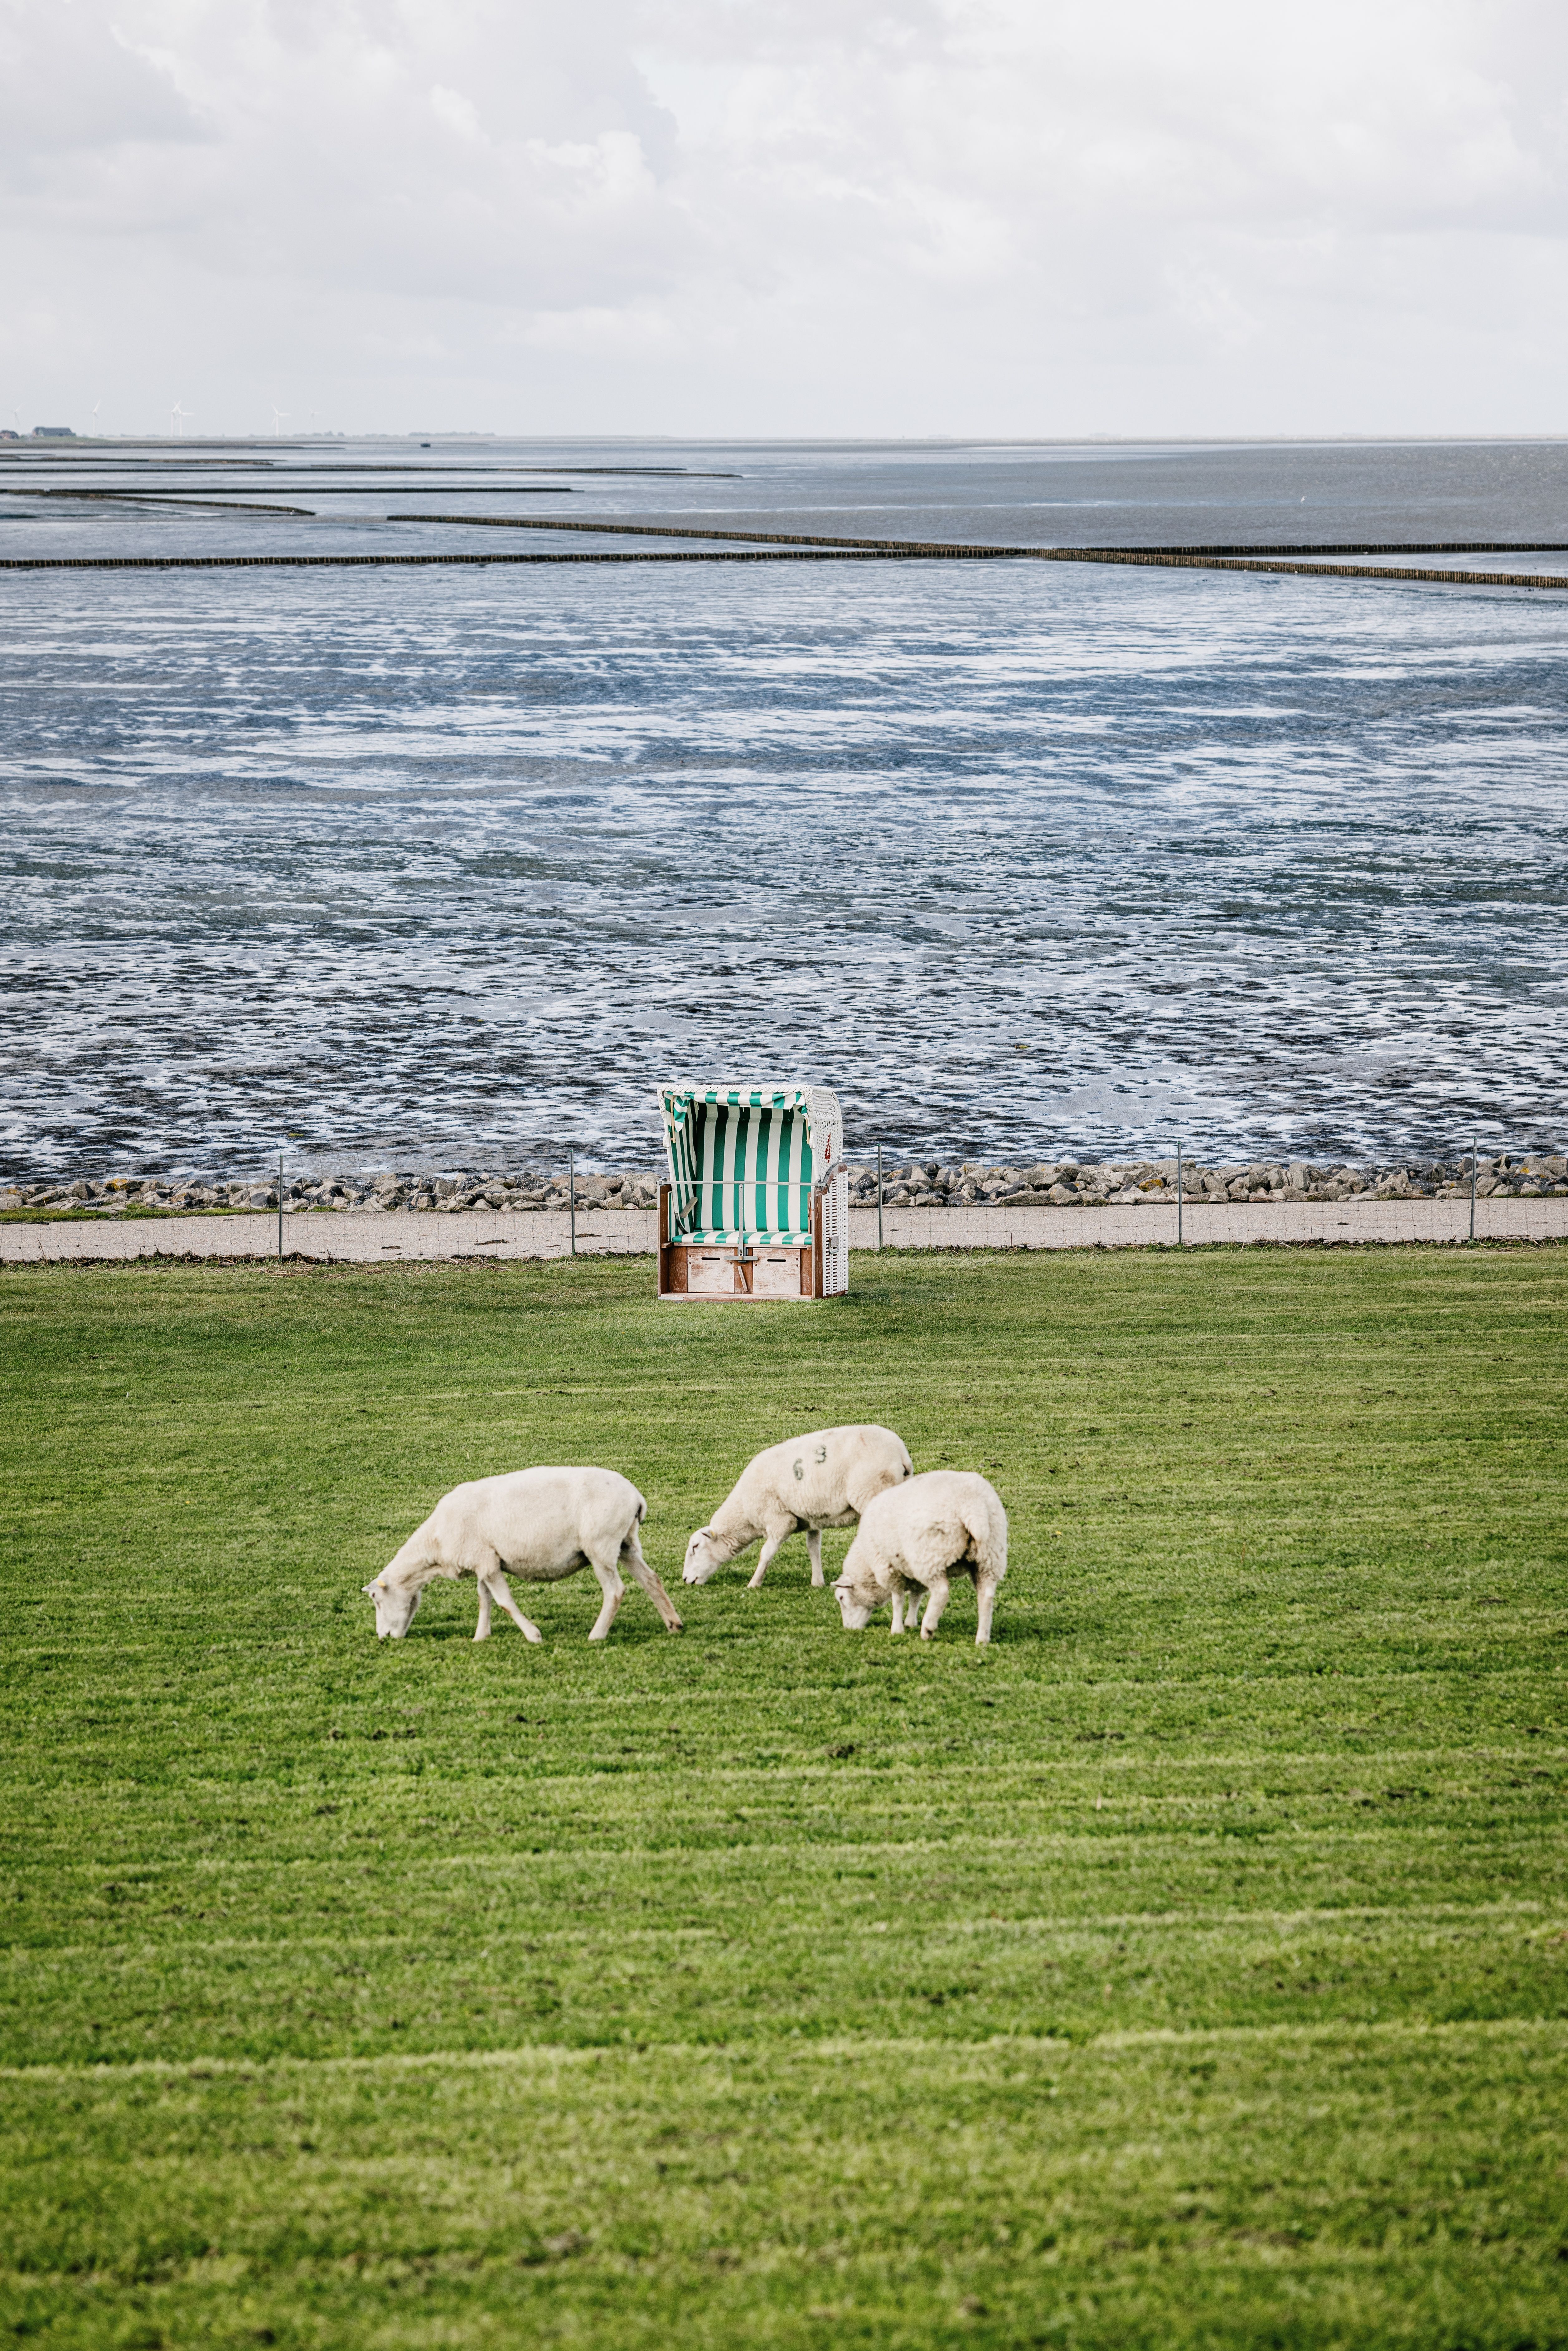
pixel 743 1160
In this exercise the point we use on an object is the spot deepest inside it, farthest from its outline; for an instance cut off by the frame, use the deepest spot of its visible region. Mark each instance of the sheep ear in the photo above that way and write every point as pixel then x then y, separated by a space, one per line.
pixel 369 1590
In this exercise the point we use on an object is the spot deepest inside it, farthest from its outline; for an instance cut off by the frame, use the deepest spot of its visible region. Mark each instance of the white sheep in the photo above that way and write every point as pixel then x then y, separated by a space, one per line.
pixel 540 1524
pixel 823 1479
pixel 916 1534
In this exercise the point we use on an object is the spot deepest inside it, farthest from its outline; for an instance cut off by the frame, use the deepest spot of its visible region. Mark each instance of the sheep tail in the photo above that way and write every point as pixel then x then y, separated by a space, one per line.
pixel 988 1539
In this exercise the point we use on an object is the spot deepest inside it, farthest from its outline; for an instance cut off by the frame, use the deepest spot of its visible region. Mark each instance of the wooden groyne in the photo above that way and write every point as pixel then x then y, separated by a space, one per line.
pixel 713 544
pixel 1161 560
pixel 426 563
pixel 968 548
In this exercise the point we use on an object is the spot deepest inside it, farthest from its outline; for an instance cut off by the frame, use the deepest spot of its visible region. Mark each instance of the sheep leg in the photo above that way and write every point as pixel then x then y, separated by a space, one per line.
pixel 495 1586
pixel 637 1569
pixel 614 1591
pixel 900 1592
pixel 939 1589
pixel 911 1596
pixel 985 1599
pixel 482 1630
pixel 814 1545
pixel 770 1551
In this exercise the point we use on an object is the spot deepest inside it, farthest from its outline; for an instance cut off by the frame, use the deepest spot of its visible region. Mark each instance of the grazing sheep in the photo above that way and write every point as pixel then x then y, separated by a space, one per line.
pixel 540 1524
pixel 824 1479
pixel 914 1535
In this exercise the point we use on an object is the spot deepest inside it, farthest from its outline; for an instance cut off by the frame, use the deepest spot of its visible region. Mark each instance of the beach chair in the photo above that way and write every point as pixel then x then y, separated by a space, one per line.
pixel 757 1204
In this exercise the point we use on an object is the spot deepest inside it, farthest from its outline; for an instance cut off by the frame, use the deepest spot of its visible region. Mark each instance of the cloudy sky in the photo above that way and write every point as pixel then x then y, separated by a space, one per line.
pixel 989 217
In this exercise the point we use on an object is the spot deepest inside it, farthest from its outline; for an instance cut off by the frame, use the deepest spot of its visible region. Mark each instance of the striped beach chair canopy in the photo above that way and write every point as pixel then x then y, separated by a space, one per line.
pixel 744 1159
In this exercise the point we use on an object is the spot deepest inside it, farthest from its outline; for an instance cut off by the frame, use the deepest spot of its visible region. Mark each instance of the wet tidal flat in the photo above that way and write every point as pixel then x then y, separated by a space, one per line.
pixel 446 869
pixel 1192 1967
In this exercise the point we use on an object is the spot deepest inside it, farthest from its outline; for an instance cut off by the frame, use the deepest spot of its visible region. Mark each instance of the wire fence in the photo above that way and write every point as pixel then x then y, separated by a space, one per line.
pixel 287 1187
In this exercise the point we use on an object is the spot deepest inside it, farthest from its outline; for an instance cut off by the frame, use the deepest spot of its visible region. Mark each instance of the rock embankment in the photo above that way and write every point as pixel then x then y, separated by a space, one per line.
pixel 1067 1184
pixel 1058 1184
pixel 191 1195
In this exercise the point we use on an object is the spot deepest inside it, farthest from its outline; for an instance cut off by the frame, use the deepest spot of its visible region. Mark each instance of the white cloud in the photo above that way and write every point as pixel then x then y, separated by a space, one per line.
pixel 460 114
pixel 790 215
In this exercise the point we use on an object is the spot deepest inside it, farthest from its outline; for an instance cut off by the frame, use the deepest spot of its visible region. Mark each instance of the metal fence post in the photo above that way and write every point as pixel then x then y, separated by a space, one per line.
pixel 571 1196
pixel 879 1195
pixel 1472 1187
pixel 1178 1196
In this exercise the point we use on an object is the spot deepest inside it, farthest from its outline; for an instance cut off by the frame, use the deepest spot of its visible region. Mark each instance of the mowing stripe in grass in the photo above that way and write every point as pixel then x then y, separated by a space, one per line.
pixel 1218 2190
pixel 546 2056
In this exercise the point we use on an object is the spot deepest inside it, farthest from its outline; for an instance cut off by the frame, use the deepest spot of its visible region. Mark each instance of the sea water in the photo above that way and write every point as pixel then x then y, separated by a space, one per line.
pixel 435 868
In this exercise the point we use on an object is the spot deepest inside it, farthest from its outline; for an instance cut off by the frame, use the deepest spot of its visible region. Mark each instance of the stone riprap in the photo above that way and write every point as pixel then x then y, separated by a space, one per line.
pixel 1058 1184
pixel 1066 1183
pixel 379 1193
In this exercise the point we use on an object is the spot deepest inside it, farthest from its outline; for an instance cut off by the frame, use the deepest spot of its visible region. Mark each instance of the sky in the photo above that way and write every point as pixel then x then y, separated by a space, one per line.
pixel 813 218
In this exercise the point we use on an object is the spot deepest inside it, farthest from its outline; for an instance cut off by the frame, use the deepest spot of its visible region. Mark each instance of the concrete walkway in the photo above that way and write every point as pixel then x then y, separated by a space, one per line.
pixel 350 1238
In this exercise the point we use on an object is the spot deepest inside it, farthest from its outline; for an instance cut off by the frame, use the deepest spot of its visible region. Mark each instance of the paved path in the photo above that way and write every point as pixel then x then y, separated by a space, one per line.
pixel 1236 1222
pixel 379 1239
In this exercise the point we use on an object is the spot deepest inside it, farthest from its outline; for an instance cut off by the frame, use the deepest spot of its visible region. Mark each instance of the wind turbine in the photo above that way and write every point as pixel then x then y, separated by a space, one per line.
pixel 179 417
pixel 279 417
pixel 92 419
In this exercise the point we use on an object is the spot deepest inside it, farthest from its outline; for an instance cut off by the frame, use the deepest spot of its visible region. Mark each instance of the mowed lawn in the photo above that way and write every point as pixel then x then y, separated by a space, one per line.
pixel 1188 1969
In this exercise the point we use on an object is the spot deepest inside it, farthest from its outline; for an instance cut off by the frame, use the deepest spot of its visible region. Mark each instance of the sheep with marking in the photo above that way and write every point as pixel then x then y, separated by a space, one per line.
pixel 823 1479
pixel 540 1524
pixel 917 1535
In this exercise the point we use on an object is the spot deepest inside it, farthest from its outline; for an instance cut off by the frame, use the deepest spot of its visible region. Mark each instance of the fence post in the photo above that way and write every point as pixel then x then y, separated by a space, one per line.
pixel 879 1195
pixel 1472 1187
pixel 1178 1195
pixel 571 1196
pixel 280 1200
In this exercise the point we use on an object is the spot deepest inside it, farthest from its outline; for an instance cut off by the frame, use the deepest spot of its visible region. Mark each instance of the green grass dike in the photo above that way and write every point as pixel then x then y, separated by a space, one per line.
pixel 1190 1969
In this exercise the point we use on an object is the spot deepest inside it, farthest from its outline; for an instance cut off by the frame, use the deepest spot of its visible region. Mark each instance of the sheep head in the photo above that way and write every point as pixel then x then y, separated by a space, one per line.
pixel 705 1553
pixel 395 1605
pixel 861 1588
pixel 856 1605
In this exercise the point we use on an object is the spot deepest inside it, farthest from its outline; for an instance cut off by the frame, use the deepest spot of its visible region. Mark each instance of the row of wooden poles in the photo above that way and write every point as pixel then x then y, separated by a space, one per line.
pixel 718 546
pixel 1180 1202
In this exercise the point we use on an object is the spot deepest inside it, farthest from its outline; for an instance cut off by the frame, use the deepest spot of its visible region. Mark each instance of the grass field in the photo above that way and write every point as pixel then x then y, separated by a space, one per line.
pixel 1190 1969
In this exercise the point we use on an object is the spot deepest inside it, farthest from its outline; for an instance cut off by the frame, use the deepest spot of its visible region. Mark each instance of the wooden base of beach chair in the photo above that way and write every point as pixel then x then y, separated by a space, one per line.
pixel 688 1270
